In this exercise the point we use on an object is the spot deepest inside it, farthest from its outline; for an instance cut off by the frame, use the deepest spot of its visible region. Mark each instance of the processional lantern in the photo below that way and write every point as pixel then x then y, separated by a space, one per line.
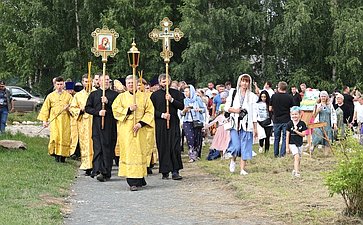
pixel 134 58
pixel 166 34
pixel 104 45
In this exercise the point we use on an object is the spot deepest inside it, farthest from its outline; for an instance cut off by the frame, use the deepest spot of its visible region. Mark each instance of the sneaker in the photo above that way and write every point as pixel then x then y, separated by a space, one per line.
pixel 295 174
pixel 254 153
pixel 228 155
pixel 243 172
pixel 191 161
pixel 232 166
pixel 260 149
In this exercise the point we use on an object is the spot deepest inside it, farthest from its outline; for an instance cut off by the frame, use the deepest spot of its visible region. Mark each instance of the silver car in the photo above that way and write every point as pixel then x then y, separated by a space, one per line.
pixel 24 101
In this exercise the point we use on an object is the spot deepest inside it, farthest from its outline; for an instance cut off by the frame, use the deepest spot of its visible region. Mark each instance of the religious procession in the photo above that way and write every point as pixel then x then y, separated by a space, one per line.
pixel 185 112
pixel 135 123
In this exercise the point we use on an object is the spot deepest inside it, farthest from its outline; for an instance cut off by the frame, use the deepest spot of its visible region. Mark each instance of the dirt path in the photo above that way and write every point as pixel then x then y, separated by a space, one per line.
pixel 197 199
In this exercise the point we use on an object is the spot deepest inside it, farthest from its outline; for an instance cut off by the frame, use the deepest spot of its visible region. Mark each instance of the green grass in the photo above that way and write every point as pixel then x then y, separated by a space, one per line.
pixel 20 117
pixel 270 190
pixel 32 185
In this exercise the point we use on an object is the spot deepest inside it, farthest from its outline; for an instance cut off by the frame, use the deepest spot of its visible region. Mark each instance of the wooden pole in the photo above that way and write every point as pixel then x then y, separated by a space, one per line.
pixel 104 61
pixel 89 85
pixel 134 92
pixel 167 92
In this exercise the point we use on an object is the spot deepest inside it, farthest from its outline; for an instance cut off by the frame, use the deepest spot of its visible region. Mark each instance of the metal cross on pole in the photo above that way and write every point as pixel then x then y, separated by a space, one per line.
pixel 166 35
pixel 104 45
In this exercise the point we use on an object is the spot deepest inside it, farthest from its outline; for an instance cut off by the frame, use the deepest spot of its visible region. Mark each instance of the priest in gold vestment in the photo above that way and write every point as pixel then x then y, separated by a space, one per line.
pixel 83 131
pixel 54 113
pixel 132 137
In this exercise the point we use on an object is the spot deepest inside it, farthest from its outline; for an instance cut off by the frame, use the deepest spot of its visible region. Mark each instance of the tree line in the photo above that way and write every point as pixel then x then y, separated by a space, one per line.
pixel 318 42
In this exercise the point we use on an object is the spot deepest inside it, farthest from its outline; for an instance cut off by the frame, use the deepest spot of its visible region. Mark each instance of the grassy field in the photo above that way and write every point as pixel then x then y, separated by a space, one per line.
pixel 270 190
pixel 20 117
pixel 32 185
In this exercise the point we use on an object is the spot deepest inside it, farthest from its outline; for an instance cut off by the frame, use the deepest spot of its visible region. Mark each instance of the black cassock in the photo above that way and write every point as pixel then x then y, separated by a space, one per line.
pixel 104 141
pixel 168 140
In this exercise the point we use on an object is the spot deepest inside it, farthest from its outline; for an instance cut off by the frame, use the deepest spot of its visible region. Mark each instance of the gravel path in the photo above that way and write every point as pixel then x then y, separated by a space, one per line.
pixel 197 199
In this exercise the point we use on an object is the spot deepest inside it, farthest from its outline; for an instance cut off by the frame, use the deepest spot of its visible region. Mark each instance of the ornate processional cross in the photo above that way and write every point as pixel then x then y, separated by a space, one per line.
pixel 166 35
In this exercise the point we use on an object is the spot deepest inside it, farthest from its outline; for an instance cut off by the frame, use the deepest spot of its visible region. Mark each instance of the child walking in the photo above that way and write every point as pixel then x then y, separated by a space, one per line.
pixel 295 131
pixel 221 138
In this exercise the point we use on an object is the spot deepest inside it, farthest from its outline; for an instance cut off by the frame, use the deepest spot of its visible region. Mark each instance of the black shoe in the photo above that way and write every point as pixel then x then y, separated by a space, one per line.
pixel 56 157
pixel 100 177
pixel 149 170
pixel 144 182
pixel 133 188
pixel 165 176
pixel 176 177
pixel 62 159
pixel 88 172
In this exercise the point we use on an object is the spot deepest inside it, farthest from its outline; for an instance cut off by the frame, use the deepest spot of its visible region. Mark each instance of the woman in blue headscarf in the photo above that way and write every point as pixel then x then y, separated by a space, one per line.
pixel 193 111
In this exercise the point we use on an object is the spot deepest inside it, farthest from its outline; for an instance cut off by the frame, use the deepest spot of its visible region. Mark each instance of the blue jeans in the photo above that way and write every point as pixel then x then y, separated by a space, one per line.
pixel 3 118
pixel 278 127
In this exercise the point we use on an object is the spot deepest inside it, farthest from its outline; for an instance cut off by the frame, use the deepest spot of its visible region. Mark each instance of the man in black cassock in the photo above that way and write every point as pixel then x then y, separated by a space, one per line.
pixel 104 140
pixel 168 140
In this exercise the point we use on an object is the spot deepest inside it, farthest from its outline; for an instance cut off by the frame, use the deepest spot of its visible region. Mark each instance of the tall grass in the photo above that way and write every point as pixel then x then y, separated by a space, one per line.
pixel 32 185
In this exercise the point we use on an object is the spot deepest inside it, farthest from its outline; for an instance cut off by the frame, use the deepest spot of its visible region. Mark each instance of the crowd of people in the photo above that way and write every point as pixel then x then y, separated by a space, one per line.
pixel 136 125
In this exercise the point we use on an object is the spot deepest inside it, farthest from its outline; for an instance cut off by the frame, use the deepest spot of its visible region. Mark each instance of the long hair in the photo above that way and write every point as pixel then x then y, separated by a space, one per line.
pixel 267 98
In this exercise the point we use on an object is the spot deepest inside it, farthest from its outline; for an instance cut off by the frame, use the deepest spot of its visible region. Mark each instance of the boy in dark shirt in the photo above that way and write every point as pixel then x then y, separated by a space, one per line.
pixel 295 131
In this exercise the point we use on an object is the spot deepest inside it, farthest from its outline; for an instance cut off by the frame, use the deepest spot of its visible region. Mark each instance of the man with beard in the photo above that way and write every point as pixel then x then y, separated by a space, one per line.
pixel 168 140
pixel 104 140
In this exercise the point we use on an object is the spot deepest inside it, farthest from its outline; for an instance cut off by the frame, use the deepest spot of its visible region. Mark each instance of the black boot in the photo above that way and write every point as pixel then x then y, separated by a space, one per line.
pixel 88 172
pixel 62 159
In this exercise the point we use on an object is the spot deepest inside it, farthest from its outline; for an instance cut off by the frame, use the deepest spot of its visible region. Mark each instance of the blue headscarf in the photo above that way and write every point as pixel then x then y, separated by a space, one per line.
pixel 192 96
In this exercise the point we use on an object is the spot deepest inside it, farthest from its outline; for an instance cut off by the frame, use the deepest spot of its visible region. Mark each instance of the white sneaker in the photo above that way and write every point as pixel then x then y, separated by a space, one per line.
pixel 260 149
pixel 232 166
pixel 295 174
pixel 254 153
pixel 243 172
pixel 227 155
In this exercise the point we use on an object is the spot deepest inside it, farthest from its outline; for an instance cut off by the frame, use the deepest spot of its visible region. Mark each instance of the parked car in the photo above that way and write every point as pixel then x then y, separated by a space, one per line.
pixel 24 101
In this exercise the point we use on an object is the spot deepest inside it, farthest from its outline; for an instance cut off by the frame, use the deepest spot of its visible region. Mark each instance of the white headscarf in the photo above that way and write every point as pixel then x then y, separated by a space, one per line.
pixel 249 88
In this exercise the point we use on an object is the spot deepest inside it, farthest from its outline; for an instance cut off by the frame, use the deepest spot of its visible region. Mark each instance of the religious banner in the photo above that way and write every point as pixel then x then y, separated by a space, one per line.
pixel 104 42
pixel 309 100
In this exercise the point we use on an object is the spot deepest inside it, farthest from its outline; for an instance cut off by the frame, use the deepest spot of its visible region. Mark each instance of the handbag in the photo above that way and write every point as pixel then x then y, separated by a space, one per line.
pixel 197 123
pixel 265 123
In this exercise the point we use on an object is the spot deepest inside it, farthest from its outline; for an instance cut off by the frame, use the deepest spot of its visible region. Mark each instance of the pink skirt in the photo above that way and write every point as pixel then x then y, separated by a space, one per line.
pixel 221 139
pixel 310 131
